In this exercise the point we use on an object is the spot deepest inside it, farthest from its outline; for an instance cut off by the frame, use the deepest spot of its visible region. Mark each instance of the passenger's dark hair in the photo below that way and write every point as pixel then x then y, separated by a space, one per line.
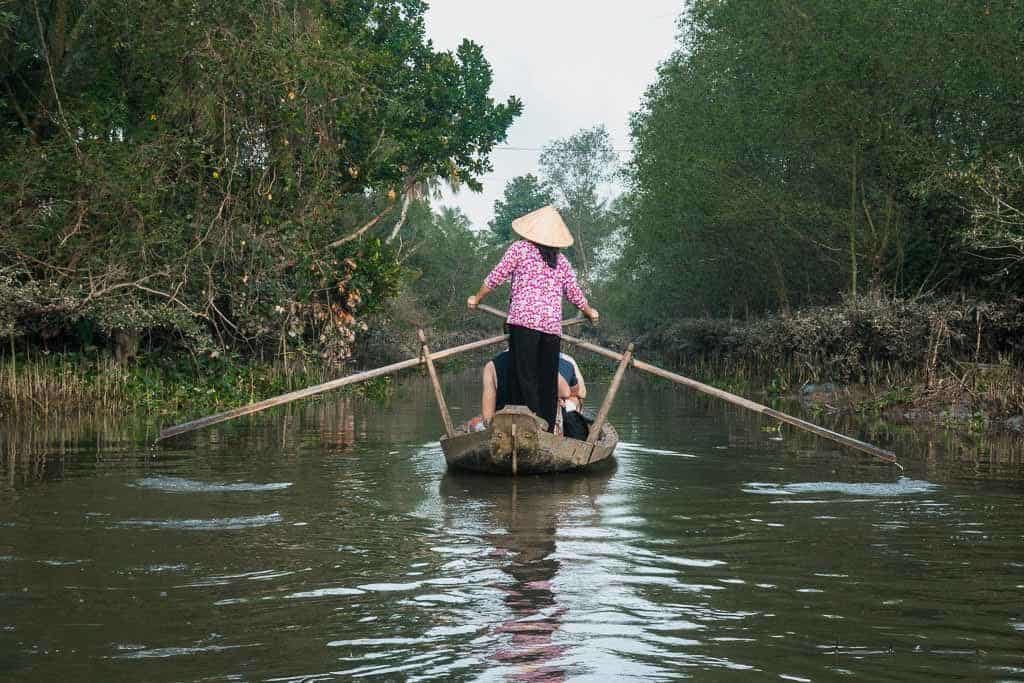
pixel 549 254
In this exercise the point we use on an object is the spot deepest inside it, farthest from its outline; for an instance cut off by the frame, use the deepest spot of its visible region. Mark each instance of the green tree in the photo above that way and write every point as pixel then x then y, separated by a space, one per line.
pixel 523 194
pixel 578 167
pixel 992 192
pixel 449 263
pixel 794 152
pixel 223 175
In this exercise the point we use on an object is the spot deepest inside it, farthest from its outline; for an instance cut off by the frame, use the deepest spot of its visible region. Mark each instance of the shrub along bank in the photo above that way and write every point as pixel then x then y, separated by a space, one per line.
pixel 954 360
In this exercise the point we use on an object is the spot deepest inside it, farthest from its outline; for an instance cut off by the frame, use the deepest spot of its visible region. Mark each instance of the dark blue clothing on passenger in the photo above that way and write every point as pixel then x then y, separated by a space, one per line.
pixel 502 364
pixel 566 370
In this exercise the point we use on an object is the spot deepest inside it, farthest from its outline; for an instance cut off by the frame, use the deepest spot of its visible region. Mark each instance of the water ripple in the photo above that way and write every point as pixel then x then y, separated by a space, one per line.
pixel 903 486
pixel 165 652
pixel 216 524
pixel 182 485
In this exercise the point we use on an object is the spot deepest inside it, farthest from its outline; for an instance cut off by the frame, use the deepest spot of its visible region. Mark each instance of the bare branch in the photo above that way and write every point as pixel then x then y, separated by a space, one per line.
pixel 172 297
pixel 95 293
pixel 402 217
pixel 358 233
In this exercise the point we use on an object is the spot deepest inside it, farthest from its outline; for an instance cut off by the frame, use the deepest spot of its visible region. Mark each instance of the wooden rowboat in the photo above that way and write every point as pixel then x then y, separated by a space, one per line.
pixel 517 442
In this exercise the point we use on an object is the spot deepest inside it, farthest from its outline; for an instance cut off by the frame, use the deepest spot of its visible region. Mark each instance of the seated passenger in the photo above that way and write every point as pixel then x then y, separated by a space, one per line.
pixel 577 388
pixel 574 424
pixel 571 389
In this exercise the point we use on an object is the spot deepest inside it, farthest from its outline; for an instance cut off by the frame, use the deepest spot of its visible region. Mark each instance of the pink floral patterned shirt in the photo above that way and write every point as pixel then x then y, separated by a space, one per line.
pixel 536 288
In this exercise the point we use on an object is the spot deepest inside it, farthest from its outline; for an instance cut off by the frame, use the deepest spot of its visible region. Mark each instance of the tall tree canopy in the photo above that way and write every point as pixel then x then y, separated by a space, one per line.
pixel 201 167
pixel 578 168
pixel 523 194
pixel 793 151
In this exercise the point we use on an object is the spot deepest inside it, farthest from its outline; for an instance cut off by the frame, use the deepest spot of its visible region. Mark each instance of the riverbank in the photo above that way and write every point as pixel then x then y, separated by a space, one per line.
pixel 37 383
pixel 947 362
pixel 55 385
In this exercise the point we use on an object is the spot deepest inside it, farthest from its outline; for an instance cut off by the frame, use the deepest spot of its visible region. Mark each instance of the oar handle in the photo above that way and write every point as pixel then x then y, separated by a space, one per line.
pixel 503 315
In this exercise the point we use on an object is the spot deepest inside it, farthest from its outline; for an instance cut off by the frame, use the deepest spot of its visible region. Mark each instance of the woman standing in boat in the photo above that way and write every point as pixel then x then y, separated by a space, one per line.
pixel 540 273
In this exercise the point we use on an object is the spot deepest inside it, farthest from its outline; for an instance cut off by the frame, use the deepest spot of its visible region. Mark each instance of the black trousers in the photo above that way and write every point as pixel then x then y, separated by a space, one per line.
pixel 533 381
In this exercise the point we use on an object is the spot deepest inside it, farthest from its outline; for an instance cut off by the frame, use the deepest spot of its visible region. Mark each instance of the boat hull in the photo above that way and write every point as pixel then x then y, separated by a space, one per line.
pixel 518 443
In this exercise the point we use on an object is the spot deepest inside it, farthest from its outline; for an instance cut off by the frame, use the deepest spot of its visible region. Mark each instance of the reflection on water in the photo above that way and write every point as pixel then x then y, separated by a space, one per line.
pixel 328 542
pixel 521 520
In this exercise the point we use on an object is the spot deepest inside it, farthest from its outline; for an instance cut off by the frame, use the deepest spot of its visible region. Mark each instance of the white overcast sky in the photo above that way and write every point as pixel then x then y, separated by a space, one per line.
pixel 574 63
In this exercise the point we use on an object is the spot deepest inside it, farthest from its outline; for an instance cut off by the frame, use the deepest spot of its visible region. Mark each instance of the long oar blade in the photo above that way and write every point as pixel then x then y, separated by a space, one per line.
pixel 320 388
pixel 881 453
pixel 333 384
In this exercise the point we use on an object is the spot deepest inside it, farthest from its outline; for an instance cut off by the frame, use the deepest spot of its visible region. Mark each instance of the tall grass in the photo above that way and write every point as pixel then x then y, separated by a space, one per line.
pixel 35 384
pixel 53 383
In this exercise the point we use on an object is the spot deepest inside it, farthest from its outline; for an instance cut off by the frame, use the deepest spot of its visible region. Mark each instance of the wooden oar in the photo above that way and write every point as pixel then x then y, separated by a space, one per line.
pixel 887 456
pixel 334 384
pixel 882 454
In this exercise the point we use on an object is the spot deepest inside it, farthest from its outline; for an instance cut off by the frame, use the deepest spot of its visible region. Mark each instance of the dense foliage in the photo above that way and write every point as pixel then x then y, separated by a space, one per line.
pixel 578 168
pixel 196 173
pixel 851 340
pixel 444 261
pixel 795 151
pixel 450 261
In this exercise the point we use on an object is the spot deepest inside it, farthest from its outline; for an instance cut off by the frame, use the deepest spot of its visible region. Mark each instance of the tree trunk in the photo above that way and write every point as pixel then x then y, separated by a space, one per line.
pixel 126 346
pixel 853 224
pixel 780 280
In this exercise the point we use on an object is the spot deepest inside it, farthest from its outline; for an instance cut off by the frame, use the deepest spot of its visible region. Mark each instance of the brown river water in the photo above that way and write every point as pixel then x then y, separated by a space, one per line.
pixel 328 542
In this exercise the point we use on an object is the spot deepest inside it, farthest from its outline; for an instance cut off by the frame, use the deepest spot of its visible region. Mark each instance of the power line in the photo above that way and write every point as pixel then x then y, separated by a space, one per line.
pixel 509 148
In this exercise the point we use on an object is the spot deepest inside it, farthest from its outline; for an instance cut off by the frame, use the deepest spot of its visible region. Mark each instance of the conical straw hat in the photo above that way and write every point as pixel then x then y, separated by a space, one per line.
pixel 544 226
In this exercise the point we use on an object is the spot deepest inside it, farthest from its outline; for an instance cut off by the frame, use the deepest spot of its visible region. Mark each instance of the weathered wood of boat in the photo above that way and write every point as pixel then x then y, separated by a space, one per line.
pixel 517 442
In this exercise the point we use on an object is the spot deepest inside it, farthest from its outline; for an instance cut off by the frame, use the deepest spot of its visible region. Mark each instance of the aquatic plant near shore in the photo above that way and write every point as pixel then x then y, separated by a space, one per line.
pixel 72 383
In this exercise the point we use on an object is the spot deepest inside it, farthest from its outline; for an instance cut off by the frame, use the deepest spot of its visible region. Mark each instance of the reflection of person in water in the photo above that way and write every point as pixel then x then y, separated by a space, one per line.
pixel 525 515
pixel 338 425
pixel 536 614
